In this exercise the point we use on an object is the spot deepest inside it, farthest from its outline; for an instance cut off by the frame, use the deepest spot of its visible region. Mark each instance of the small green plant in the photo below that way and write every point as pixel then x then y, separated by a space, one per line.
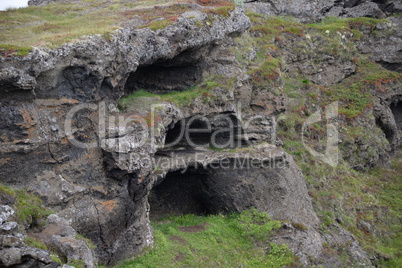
pixel 33 242
pixel 28 208
pixel 299 226
pixel 77 263
pixel 159 24
pixel 257 225
pixel 87 241
pixel 12 50
pixel 55 258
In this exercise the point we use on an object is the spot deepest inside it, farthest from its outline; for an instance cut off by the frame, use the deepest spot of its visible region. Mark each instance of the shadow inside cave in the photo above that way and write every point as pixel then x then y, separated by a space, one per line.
pixel 397 112
pixel 180 192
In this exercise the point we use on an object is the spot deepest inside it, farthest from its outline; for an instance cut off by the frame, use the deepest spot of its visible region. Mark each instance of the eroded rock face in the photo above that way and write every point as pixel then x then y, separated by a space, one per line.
pixel 264 177
pixel 53 97
pixel 315 10
pixel 386 47
pixel 64 139
pixel 13 250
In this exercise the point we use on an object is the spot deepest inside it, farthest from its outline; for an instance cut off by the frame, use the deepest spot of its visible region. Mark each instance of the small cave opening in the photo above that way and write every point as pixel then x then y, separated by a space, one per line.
pixel 396 109
pixel 180 192
pixel 396 67
pixel 161 79
pixel 177 74
pixel 214 131
pixel 392 127
pixel 387 129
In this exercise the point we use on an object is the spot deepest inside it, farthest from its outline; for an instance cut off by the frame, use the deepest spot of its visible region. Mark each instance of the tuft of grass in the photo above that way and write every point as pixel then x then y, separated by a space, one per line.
pixel 299 226
pixel 55 258
pixel 33 242
pixel 77 263
pixel 266 73
pixel 223 241
pixel 269 27
pixel 28 208
pixel 87 241
pixel 160 24
pixel 7 50
pixel 221 11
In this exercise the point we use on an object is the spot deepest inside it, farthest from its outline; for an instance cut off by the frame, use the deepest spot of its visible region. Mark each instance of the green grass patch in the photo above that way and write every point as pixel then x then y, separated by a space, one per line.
pixel 87 241
pixel 77 263
pixel 10 50
pixel 354 25
pixel 28 208
pixel 356 92
pixel 33 242
pixel 160 24
pixel 267 72
pixel 221 11
pixel 55 258
pixel 216 241
pixel 181 98
pixel 270 27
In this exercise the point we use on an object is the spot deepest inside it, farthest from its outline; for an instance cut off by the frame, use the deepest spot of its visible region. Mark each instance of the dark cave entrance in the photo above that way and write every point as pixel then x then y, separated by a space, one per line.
pixel 189 191
pixel 387 129
pixel 213 131
pixel 397 112
pixel 392 131
pixel 180 192
pixel 177 74
pixel 161 79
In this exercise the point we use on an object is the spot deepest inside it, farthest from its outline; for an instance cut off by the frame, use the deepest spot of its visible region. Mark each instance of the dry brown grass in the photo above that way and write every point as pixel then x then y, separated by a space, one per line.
pixel 56 24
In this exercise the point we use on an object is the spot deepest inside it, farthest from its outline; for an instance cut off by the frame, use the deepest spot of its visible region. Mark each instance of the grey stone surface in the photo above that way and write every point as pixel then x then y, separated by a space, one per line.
pixel 316 10
pixel 74 249
pixel 5 212
pixel 9 227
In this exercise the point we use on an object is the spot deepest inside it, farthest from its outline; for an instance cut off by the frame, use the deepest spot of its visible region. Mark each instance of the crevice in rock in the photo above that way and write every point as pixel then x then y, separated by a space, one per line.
pixel 385 5
pixel 396 109
pixel 352 3
pixel 391 123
